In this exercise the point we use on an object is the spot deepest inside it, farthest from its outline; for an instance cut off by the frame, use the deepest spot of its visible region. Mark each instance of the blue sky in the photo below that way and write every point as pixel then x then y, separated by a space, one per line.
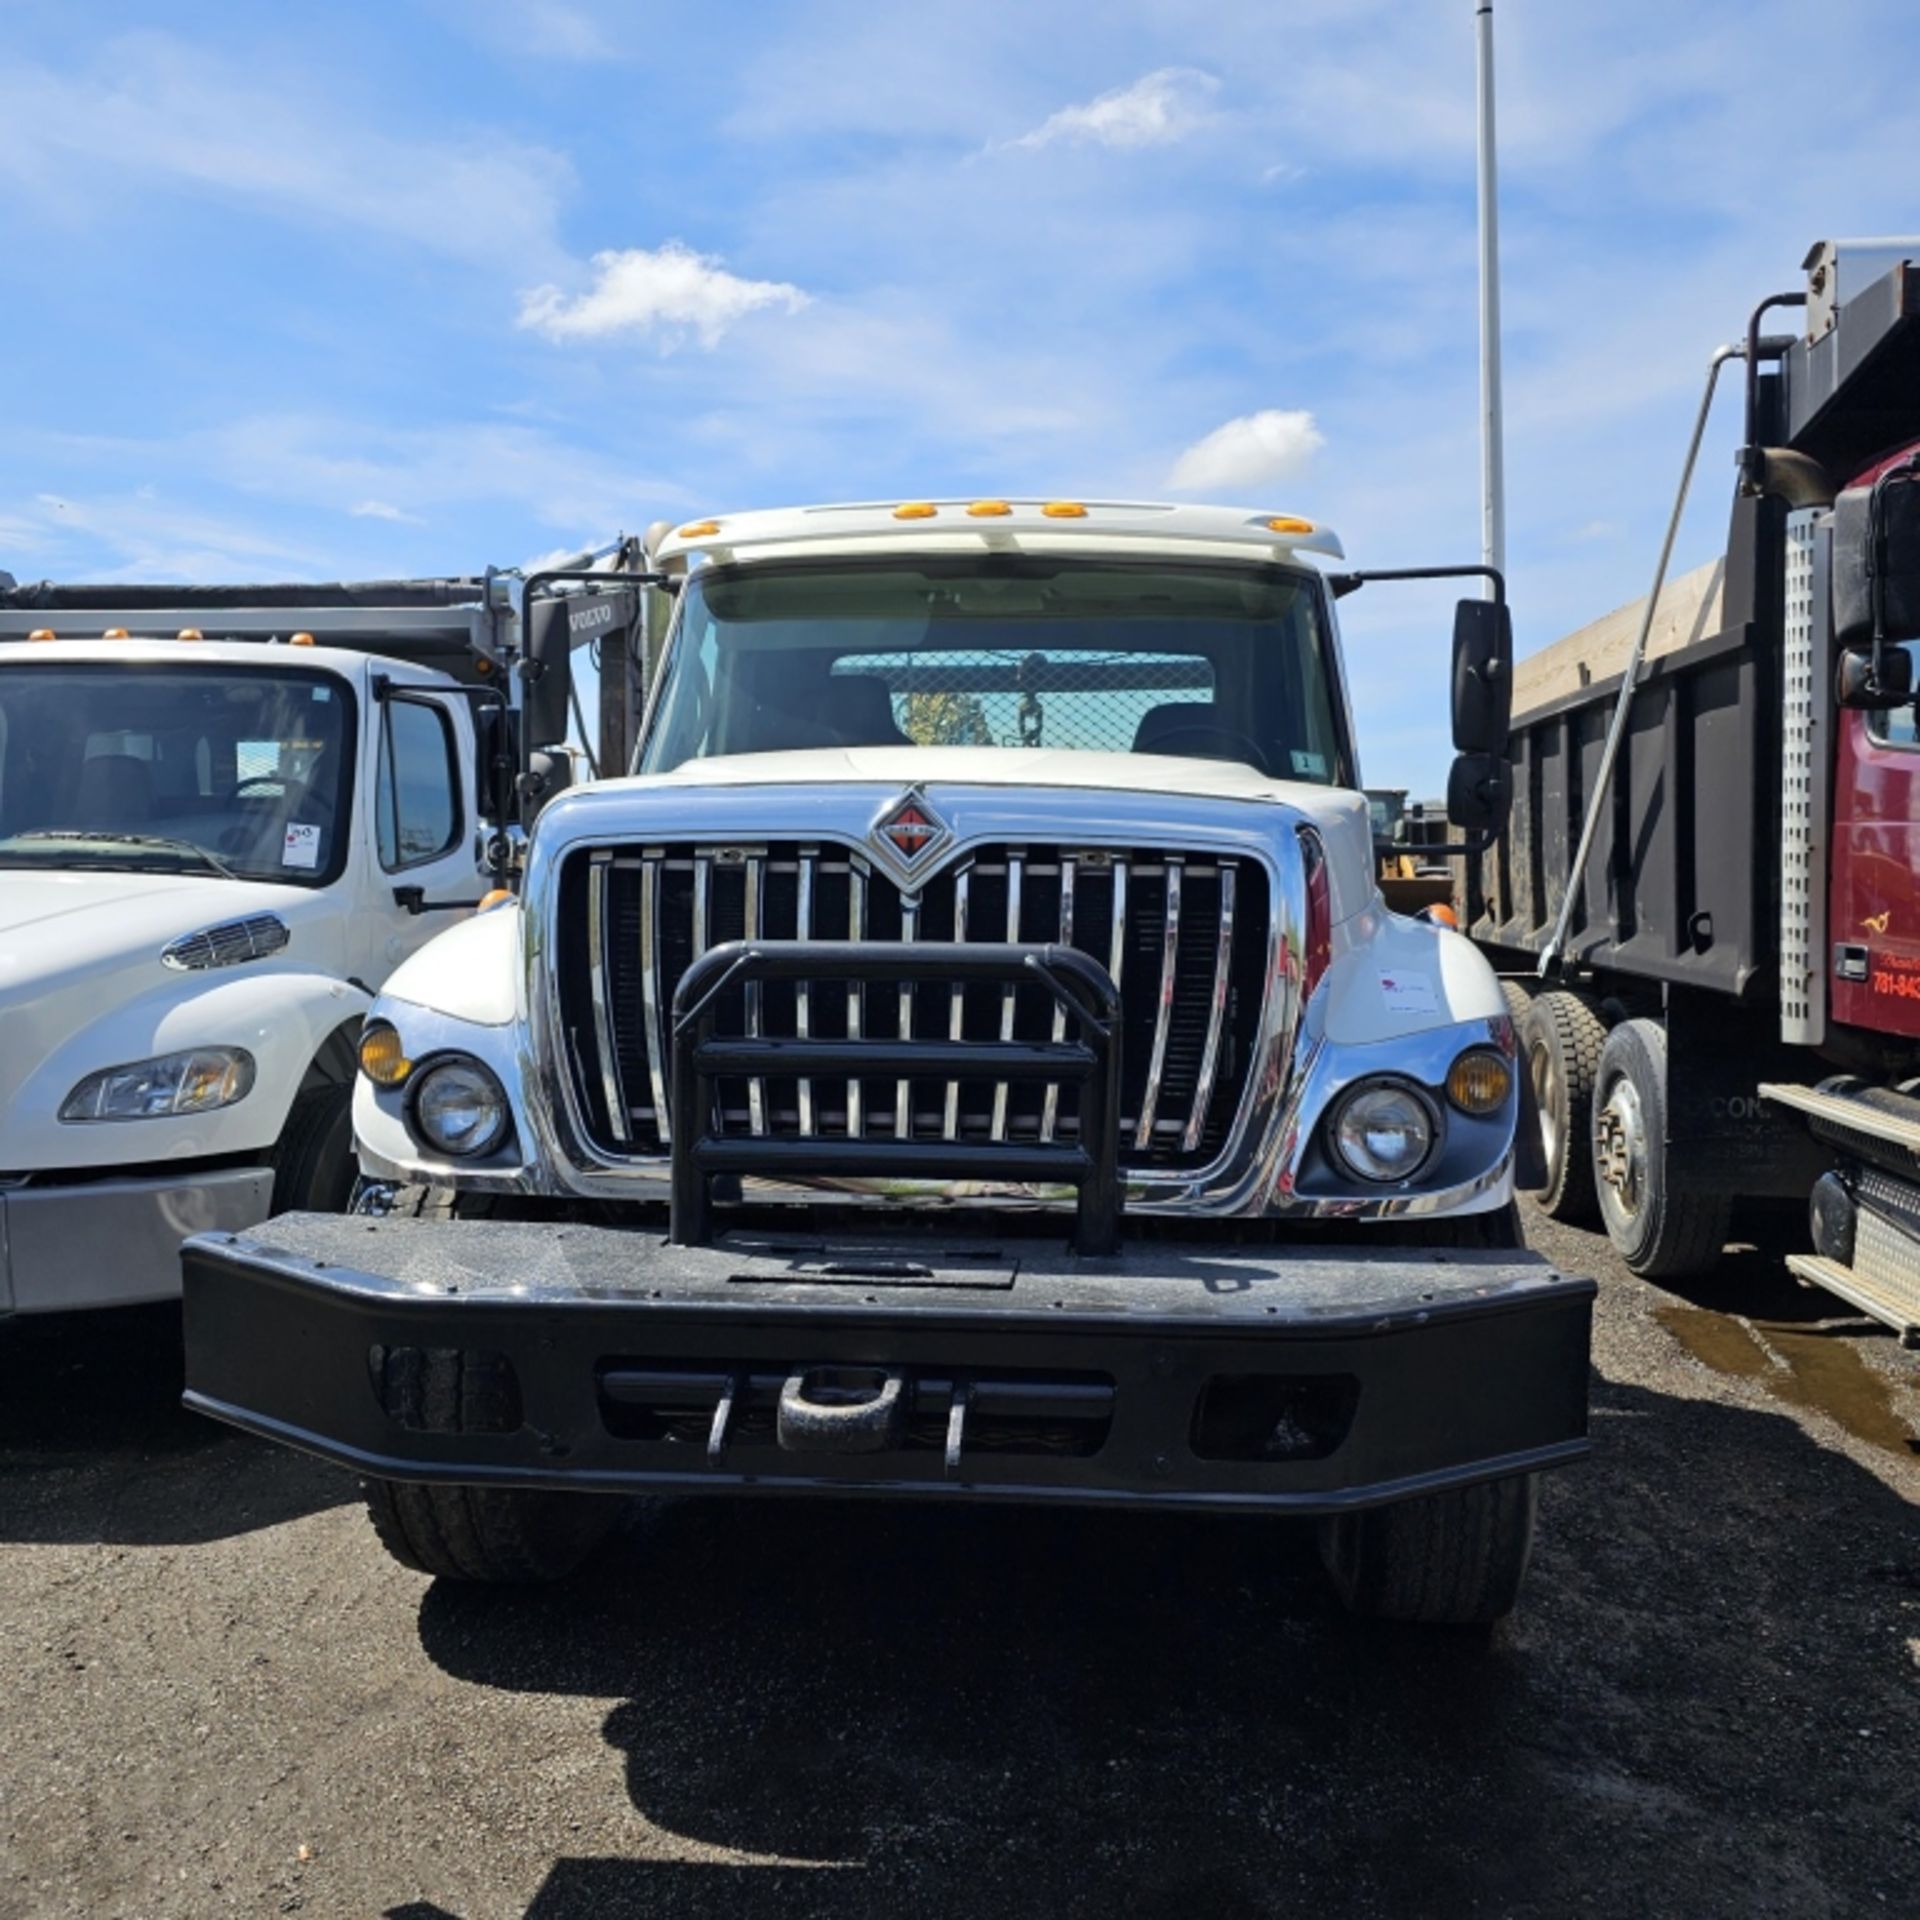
pixel 313 291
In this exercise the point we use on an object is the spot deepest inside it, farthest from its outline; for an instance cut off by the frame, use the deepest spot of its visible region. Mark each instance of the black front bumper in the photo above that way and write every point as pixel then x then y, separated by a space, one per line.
pixel 1175 1373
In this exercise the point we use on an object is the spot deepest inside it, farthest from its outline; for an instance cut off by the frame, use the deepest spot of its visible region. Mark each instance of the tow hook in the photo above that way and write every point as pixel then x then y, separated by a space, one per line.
pixel 842 1410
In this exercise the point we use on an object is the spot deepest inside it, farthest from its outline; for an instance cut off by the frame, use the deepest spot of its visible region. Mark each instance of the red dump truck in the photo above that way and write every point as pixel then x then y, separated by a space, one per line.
pixel 1707 909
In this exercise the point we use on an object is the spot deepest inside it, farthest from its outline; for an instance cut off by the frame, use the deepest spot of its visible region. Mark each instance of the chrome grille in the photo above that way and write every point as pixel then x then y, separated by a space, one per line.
pixel 1182 931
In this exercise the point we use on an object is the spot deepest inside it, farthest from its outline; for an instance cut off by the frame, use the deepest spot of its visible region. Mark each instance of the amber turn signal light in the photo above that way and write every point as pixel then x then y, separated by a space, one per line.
pixel 1479 1082
pixel 382 1058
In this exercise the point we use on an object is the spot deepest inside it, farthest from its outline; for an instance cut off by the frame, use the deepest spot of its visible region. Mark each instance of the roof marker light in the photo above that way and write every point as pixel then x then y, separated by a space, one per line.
pixel 189 633
pixel 698 529
pixel 299 639
pixel 915 510
pixel 43 633
pixel 1064 510
pixel 989 509
pixel 1289 523
pixel 115 633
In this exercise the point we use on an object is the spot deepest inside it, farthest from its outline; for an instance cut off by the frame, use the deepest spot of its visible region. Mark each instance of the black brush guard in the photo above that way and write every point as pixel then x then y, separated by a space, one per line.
pixel 1074 980
pixel 916 1358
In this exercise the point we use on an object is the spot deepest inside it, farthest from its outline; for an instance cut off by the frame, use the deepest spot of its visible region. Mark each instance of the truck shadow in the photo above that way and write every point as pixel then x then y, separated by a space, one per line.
pixel 1015 1712
pixel 95 1445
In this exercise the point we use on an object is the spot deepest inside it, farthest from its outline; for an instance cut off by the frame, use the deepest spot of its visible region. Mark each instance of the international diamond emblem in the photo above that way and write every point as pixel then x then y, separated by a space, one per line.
pixel 911 828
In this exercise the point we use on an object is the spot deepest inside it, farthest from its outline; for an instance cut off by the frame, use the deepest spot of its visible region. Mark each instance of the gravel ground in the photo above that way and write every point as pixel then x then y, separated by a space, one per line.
pixel 219 1697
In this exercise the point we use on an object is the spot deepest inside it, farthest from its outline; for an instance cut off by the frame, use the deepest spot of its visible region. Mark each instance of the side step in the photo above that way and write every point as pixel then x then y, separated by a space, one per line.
pixel 1899 1310
pixel 1874 1122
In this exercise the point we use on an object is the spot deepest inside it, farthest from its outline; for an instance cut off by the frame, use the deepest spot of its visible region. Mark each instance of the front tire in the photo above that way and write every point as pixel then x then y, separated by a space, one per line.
pixel 495 1536
pixel 1661 1224
pixel 1446 1559
pixel 1454 1559
pixel 488 1536
pixel 314 1169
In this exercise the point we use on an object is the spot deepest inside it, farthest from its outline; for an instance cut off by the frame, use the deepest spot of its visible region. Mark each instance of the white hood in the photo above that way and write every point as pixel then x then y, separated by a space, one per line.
pixel 58 923
pixel 82 987
pixel 1339 813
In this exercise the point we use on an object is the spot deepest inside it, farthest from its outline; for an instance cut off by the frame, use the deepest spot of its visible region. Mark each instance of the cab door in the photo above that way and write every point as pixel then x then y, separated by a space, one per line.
pixel 426 843
pixel 1874 895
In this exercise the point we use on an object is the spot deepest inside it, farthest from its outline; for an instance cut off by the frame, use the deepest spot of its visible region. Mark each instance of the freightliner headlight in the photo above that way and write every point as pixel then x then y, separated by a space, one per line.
pixel 197 1081
pixel 457 1107
pixel 1383 1131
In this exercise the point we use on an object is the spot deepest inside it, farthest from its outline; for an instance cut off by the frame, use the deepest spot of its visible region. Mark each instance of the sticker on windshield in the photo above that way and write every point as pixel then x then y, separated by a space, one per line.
pixel 303 846
pixel 1409 993
pixel 1313 765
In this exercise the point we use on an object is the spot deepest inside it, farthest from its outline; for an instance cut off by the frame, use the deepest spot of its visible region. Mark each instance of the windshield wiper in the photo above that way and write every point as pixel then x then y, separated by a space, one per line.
pixel 97 837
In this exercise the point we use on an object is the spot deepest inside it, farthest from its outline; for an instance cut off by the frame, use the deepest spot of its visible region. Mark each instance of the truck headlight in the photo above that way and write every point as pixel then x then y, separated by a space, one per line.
pixel 458 1107
pixel 198 1081
pixel 1382 1131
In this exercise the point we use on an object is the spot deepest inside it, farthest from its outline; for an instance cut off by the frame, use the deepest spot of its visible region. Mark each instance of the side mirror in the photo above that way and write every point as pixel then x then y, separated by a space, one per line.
pixel 1479 792
pixel 1482 680
pixel 546 700
pixel 1858 686
pixel 1876 561
pixel 495 756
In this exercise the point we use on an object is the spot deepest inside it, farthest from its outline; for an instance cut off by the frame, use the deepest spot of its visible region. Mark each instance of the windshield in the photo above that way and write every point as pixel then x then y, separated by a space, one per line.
pixel 1225 663
pixel 175 769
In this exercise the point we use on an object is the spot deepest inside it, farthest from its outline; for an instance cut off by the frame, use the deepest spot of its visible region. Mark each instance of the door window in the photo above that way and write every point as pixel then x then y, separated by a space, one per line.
pixel 418 817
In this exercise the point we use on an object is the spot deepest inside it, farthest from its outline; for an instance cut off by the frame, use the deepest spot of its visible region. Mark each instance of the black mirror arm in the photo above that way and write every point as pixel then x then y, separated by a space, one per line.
pixel 414 900
pixel 1342 584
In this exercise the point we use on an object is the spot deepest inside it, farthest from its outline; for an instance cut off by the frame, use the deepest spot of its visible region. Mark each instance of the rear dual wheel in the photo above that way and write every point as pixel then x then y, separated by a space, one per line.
pixel 1561 1036
pixel 1662 1223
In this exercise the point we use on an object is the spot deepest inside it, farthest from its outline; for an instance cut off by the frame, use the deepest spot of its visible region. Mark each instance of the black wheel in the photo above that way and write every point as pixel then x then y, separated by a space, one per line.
pixel 1446 1559
pixel 1560 1040
pixel 314 1170
pixel 1519 997
pixel 492 1535
pixel 1662 1225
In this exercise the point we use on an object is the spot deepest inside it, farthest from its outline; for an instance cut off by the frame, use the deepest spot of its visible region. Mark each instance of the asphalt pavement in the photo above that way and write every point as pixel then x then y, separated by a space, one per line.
pixel 218 1696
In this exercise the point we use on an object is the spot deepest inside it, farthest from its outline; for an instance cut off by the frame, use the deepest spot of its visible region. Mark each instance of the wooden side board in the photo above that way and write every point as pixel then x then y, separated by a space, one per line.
pixel 1689 610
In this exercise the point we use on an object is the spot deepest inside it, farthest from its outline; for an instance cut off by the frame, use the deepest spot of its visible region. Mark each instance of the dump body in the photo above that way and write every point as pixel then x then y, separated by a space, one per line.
pixel 1728 1012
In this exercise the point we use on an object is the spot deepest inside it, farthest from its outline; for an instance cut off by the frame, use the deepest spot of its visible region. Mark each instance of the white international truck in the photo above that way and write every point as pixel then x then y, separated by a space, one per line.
pixel 226 815
pixel 969 1058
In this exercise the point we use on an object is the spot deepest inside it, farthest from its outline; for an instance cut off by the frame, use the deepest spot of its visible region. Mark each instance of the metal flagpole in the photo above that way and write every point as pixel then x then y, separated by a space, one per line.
pixel 1493 480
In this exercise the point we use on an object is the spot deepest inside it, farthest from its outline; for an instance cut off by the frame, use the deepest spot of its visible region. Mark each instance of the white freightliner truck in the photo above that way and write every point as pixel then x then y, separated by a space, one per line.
pixel 969 1058
pixel 226 814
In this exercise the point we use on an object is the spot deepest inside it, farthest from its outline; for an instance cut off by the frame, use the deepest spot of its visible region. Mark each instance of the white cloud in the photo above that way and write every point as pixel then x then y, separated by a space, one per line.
pixel 1158 110
pixel 667 291
pixel 1258 448
pixel 381 510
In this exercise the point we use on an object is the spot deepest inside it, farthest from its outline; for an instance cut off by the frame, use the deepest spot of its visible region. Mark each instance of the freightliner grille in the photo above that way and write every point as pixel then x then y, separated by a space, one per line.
pixel 1183 932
